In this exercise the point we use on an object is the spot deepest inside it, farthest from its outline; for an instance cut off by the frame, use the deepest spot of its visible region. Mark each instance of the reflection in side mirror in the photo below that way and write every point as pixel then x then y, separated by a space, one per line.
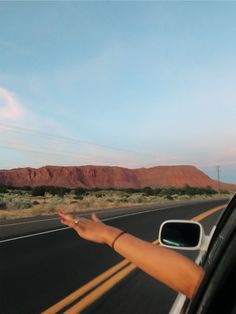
pixel 181 234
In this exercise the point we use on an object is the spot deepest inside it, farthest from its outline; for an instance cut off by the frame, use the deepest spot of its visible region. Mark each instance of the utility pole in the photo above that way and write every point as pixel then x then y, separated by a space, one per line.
pixel 218 177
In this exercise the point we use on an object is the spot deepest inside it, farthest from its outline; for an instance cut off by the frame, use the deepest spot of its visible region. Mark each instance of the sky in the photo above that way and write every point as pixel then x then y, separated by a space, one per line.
pixel 132 84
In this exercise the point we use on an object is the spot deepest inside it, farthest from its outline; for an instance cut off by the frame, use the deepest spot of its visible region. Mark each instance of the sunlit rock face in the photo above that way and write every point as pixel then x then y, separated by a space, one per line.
pixel 110 177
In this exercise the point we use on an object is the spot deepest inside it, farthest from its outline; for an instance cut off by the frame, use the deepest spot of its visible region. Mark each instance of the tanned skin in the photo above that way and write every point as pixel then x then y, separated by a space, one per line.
pixel 173 269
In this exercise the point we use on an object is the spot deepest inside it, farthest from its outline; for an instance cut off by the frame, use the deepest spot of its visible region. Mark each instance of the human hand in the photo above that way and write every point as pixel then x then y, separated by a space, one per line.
pixel 90 229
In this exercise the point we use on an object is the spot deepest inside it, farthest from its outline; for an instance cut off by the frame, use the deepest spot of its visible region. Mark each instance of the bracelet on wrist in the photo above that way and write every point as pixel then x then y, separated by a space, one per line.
pixel 117 237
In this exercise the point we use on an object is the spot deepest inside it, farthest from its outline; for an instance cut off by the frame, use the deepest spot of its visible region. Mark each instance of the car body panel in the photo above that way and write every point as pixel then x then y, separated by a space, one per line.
pixel 219 239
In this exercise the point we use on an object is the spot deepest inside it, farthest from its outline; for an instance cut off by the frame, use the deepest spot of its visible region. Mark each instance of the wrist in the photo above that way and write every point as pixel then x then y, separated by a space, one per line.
pixel 110 234
pixel 117 238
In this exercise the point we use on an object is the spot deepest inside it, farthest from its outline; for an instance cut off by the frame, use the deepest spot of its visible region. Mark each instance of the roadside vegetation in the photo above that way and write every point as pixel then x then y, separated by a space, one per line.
pixel 26 201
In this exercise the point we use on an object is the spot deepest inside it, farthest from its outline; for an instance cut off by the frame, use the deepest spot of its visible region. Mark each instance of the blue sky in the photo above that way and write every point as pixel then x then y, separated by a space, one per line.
pixel 134 84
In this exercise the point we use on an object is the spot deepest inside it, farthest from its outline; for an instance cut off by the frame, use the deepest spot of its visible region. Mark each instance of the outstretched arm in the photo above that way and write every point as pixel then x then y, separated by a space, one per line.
pixel 168 266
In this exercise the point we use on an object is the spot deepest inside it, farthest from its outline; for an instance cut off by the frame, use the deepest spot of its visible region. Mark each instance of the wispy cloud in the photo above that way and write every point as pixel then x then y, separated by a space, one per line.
pixel 10 106
pixel 50 148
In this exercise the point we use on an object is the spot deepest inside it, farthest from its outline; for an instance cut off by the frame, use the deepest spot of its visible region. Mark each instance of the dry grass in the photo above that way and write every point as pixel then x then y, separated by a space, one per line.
pixel 14 205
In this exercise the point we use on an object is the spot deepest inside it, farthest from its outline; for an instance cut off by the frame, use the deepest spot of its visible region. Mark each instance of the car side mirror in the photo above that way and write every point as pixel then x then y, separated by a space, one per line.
pixel 182 235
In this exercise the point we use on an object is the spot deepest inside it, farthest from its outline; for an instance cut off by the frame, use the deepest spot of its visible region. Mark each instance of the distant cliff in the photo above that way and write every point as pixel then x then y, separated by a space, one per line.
pixel 110 177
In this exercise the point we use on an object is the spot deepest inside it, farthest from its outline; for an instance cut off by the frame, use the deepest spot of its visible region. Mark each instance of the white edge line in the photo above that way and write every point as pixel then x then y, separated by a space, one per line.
pixel 27 222
pixel 142 212
pixel 66 228
pixel 34 234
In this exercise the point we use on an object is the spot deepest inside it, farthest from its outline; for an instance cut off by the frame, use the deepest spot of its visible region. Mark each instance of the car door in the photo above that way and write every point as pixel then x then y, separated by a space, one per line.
pixel 217 293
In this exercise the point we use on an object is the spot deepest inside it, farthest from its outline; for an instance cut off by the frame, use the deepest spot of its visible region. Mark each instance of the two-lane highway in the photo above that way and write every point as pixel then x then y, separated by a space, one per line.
pixel 40 268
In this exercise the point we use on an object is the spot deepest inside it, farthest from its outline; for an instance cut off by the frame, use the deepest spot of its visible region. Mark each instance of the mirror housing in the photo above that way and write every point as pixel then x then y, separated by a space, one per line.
pixel 182 235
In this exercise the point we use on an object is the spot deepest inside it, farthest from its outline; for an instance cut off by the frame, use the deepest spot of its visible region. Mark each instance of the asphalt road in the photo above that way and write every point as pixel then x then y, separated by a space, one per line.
pixel 40 266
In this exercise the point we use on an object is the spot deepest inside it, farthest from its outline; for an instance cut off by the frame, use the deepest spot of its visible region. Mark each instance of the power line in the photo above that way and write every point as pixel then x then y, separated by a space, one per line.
pixel 69 139
pixel 86 147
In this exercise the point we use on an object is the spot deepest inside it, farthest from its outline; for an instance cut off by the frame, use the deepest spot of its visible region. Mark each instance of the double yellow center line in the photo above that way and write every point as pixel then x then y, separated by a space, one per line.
pixel 97 287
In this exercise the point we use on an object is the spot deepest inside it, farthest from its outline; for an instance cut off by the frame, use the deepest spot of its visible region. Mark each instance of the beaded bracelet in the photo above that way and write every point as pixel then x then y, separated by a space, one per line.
pixel 116 238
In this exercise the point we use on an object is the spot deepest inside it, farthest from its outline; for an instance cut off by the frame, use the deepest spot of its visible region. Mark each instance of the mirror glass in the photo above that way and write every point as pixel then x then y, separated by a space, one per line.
pixel 180 234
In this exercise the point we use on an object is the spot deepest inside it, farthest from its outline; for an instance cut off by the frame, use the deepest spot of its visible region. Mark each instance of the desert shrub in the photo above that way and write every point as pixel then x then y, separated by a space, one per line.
pixel 61 191
pixel 38 191
pixel 136 199
pixel 129 190
pixel 53 190
pixel 189 190
pixel 3 204
pixel 35 203
pixel 80 191
pixel 169 197
pixel 21 204
pixel 156 191
pixel 26 188
pixel 110 199
pixel 147 191
pixel 96 189
pixel 224 192
pixel 122 199
pixel 165 192
pixel 98 194
pixel 17 192
pixel 79 197
pixel 210 190
pixel 3 189
pixel 198 191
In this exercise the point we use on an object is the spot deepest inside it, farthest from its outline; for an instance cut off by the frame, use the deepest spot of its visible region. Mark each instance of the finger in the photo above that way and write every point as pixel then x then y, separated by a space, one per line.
pixel 95 218
pixel 67 223
pixel 71 224
pixel 77 227
pixel 65 216
pixel 61 213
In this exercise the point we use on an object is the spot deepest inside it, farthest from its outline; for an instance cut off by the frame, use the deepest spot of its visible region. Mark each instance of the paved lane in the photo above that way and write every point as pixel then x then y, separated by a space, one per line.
pixel 39 271
pixel 141 294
